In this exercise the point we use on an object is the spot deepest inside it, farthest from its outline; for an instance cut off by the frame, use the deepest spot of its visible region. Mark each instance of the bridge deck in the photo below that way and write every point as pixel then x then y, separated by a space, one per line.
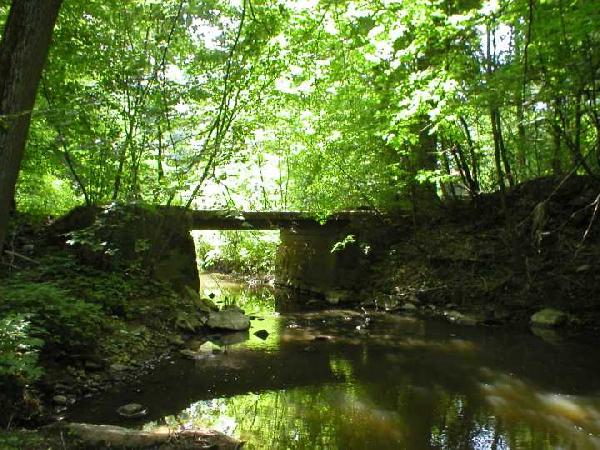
pixel 266 220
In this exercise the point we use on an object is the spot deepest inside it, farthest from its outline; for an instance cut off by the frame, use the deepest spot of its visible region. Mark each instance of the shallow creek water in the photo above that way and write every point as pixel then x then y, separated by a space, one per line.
pixel 350 380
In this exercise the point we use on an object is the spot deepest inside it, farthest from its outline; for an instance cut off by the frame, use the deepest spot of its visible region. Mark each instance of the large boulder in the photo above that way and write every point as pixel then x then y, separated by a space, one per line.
pixel 549 318
pixel 228 319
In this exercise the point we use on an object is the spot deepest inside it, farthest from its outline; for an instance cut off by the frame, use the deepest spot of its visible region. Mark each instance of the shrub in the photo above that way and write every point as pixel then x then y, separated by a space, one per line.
pixel 246 252
pixel 18 365
pixel 63 322
pixel 18 350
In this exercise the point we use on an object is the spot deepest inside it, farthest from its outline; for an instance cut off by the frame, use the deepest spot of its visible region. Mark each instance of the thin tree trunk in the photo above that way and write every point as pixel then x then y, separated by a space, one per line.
pixel 123 157
pixel 523 170
pixel 556 155
pixel 472 153
pixel 159 160
pixel 465 172
pixel 497 152
pixel 448 189
pixel 503 151
pixel 556 165
pixel 573 143
pixel 577 144
pixel 65 153
pixel 23 53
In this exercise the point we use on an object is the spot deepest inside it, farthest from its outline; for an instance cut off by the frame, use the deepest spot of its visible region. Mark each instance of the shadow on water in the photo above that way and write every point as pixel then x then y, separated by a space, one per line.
pixel 345 380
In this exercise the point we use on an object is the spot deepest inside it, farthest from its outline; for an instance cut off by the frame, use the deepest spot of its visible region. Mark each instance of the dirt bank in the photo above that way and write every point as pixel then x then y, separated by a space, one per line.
pixel 499 264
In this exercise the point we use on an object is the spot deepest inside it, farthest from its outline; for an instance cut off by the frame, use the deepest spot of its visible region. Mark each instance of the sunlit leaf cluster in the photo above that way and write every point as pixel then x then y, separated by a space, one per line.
pixel 315 106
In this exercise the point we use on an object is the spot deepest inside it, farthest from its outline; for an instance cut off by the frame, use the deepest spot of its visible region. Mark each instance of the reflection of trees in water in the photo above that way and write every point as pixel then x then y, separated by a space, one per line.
pixel 313 418
pixel 227 289
pixel 346 416
pixel 391 390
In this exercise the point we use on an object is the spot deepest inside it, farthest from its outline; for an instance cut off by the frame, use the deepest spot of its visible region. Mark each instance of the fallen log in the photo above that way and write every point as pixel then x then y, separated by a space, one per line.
pixel 110 436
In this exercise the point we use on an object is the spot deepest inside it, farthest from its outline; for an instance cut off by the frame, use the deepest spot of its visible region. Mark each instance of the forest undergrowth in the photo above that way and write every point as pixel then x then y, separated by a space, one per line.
pixel 70 329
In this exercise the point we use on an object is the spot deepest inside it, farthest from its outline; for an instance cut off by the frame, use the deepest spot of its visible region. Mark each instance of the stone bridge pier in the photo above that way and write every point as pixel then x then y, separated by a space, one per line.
pixel 307 261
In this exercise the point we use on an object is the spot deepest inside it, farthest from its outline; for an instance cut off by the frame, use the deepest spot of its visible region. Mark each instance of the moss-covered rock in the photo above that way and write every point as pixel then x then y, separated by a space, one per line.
pixel 228 319
pixel 549 318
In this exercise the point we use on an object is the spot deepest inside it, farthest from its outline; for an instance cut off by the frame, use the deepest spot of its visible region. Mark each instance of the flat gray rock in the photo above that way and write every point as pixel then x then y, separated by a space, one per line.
pixel 228 319
pixel 132 410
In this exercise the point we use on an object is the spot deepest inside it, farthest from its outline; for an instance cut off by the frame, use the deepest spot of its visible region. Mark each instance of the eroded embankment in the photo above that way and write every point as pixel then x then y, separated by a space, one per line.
pixel 499 265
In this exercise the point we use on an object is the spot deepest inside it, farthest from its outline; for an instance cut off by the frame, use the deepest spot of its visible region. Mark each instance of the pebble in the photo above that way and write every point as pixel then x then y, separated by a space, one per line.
pixel 323 337
pixel 132 410
pixel 188 353
pixel 60 400
pixel 91 365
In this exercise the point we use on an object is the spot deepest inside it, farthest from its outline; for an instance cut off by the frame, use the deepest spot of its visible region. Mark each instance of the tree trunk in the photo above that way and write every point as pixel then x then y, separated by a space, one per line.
pixel 473 155
pixel 448 189
pixel 497 151
pixel 503 151
pixel 23 51
pixel 465 172
pixel 523 170
pixel 556 159
pixel 423 158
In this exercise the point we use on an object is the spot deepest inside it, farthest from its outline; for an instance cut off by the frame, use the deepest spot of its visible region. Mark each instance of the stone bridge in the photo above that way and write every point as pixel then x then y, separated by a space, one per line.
pixel 159 237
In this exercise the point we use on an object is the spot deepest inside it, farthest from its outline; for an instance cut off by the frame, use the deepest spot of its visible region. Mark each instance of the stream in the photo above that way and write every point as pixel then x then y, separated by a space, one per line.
pixel 348 379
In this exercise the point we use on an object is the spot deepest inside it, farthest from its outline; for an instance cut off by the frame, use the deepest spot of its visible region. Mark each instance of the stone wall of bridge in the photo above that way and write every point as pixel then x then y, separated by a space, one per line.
pixel 158 239
pixel 306 261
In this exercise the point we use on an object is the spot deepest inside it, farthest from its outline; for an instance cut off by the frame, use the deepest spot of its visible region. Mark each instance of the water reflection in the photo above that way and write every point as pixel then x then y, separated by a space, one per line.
pixel 575 416
pixel 325 417
pixel 345 416
pixel 349 380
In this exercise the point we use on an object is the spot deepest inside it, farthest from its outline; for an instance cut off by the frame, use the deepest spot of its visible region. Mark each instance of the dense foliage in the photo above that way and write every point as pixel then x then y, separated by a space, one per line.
pixel 311 105
pixel 19 349
pixel 243 252
pixel 18 364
